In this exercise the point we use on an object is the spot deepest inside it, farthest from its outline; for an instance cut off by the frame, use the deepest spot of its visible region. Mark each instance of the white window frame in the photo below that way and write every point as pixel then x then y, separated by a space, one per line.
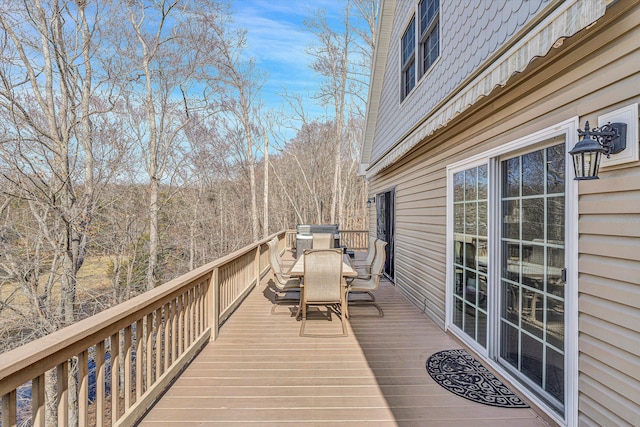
pixel 490 355
pixel 423 37
pixel 411 61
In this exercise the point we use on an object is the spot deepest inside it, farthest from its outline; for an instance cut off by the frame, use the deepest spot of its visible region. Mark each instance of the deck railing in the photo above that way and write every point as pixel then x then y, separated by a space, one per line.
pixel 128 354
pixel 353 239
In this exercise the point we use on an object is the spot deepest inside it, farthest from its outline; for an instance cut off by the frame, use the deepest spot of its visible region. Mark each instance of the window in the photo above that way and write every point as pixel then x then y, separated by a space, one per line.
pixel 409 59
pixel 429 33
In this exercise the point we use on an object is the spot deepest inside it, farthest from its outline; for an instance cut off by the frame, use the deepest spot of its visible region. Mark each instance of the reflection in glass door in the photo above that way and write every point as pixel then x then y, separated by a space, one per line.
pixel 470 252
pixel 532 270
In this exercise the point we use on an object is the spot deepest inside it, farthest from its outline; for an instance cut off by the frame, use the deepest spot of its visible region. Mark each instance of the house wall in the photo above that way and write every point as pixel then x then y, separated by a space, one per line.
pixel 594 72
pixel 469 36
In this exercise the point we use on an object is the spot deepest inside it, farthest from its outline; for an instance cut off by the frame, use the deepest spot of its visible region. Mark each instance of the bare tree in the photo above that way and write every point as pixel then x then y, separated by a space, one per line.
pixel 165 56
pixel 343 58
pixel 265 210
pixel 49 104
pixel 242 81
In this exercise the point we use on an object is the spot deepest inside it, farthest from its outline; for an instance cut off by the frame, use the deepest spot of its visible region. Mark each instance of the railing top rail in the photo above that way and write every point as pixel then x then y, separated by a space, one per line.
pixel 50 350
pixel 340 230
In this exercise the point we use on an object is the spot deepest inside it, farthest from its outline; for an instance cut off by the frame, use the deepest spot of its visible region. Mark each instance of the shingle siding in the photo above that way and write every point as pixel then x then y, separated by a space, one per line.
pixel 469 36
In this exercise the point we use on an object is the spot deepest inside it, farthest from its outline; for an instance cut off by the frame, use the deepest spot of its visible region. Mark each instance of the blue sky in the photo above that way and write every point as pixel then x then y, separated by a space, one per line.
pixel 277 39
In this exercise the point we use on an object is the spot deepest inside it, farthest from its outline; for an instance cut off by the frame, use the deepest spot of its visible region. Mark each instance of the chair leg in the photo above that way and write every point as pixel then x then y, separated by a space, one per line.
pixel 346 303
pixel 278 300
pixel 275 306
pixel 343 315
pixel 304 317
pixel 372 298
pixel 300 302
pixel 345 332
pixel 364 302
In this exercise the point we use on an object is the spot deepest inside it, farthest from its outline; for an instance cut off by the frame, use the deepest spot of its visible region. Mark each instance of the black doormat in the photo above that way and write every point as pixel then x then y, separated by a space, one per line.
pixel 462 374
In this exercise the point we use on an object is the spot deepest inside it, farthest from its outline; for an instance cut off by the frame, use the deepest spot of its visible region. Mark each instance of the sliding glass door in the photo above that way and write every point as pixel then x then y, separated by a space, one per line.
pixel 507 258
pixel 385 226
pixel 532 268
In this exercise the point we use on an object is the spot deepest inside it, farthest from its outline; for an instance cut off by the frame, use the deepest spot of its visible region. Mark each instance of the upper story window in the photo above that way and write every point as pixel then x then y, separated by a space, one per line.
pixel 409 58
pixel 429 33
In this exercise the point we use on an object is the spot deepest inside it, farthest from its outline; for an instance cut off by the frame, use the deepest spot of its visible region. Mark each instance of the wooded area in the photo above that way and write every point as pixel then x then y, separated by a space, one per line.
pixel 133 134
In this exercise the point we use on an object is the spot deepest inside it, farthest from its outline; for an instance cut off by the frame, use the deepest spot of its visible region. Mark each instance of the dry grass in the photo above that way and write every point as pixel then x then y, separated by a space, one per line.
pixel 93 282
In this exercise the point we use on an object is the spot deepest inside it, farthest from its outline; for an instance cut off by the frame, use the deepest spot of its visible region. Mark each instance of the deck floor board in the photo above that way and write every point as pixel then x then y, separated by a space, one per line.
pixel 260 372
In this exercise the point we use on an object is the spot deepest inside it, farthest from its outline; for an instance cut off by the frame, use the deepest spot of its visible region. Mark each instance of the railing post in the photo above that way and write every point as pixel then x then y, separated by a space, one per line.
pixel 257 264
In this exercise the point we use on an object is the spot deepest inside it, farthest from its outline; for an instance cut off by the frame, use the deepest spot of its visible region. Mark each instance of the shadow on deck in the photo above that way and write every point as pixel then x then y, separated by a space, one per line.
pixel 260 372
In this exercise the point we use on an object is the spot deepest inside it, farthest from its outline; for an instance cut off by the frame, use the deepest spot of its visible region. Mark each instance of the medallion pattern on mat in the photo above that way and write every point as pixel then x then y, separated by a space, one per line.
pixel 462 374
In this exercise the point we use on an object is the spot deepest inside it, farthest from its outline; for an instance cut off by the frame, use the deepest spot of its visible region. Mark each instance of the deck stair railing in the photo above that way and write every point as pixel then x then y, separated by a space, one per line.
pixel 126 356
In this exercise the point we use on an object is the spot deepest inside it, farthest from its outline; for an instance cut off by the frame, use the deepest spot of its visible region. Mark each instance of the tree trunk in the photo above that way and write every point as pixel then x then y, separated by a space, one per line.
pixel 152 273
pixel 265 221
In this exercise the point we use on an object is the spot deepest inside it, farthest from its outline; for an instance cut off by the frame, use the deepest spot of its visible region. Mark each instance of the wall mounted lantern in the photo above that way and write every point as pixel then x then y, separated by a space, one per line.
pixel 607 139
pixel 370 201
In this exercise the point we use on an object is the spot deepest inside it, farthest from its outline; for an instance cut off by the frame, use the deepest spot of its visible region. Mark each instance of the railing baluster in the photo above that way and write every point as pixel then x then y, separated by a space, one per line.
pixel 10 409
pixel 200 308
pixel 174 333
pixel 187 318
pixel 192 316
pixel 180 326
pixel 62 378
pixel 114 358
pixel 83 389
pixel 168 334
pixel 160 331
pixel 214 303
pixel 100 383
pixel 139 358
pixel 127 368
pixel 37 401
pixel 148 380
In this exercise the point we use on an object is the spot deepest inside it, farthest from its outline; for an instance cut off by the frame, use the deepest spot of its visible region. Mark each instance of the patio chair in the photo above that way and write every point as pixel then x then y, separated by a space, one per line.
pixel 323 285
pixel 322 241
pixel 365 266
pixel 283 265
pixel 368 283
pixel 283 282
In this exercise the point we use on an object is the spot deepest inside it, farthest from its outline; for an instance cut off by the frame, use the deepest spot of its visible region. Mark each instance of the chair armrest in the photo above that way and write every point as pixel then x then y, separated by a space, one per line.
pixel 363 277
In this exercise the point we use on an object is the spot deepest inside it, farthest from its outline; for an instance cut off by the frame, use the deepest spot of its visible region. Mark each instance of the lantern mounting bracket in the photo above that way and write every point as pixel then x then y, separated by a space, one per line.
pixel 611 136
pixel 607 139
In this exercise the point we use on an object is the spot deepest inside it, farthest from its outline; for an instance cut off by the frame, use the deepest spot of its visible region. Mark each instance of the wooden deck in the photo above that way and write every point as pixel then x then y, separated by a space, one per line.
pixel 260 372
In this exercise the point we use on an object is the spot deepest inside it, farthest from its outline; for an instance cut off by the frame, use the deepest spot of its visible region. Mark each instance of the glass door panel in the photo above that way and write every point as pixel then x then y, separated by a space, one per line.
pixel 532 262
pixel 470 253
pixel 385 209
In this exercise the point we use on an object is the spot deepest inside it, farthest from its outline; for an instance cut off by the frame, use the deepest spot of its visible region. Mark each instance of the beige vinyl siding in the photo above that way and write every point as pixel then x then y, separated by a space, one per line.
pixel 609 300
pixel 593 73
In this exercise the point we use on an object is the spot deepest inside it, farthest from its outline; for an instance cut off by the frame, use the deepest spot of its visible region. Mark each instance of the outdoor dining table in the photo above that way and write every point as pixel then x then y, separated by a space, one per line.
pixel 297 270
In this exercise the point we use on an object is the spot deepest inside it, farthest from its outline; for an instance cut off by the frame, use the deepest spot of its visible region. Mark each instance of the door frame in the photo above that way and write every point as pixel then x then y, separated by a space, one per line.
pixel 391 243
pixel 491 157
